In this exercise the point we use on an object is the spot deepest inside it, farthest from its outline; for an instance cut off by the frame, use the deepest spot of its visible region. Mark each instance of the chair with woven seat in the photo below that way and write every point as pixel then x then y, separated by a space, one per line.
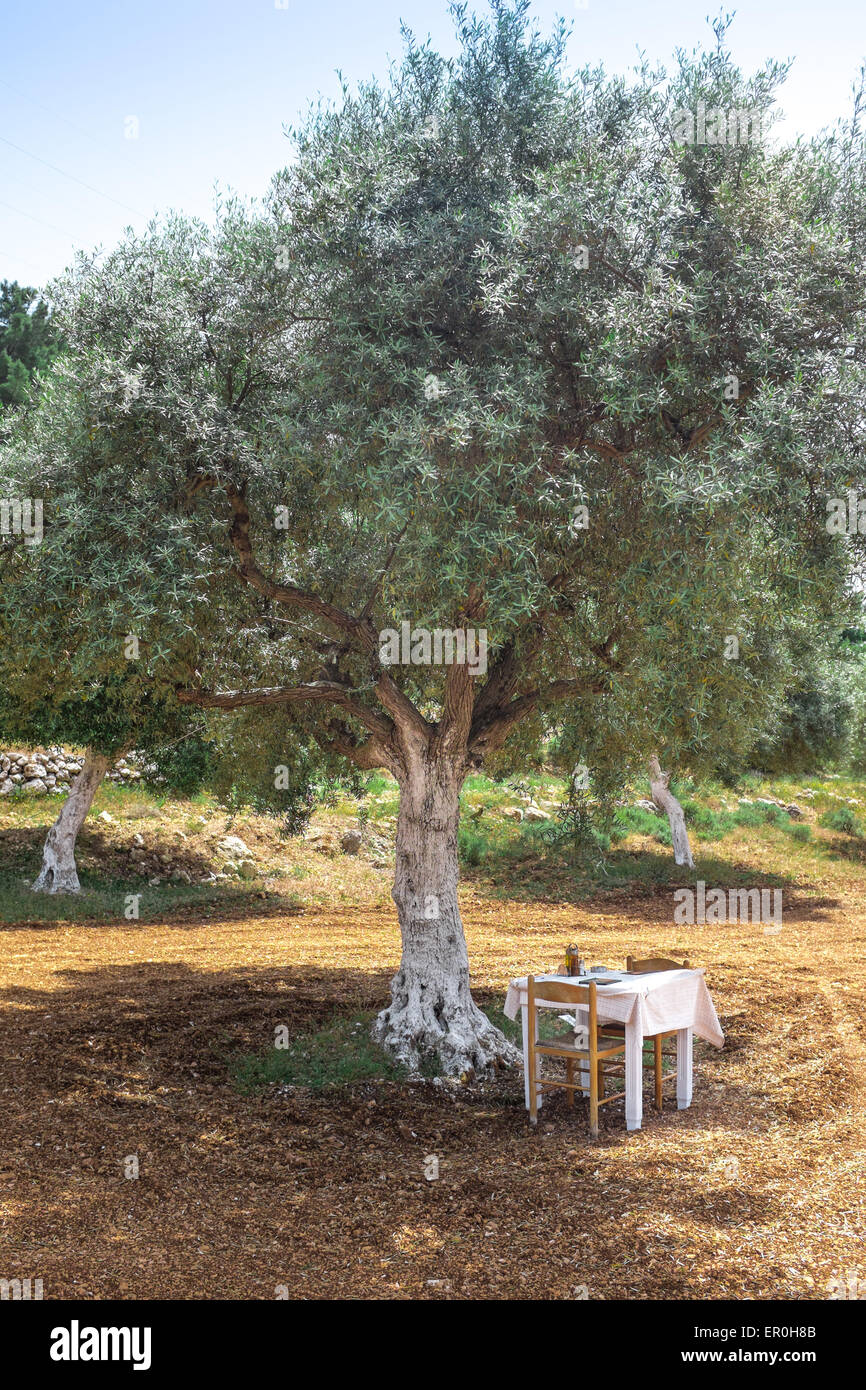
pixel 649 966
pixel 594 1060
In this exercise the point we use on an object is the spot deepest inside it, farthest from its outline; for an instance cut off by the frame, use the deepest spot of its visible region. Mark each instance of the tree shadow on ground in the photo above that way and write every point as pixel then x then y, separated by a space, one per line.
pixel 323 1190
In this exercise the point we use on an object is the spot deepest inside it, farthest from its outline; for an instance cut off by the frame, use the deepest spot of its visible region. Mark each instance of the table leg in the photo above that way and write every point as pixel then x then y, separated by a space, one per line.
pixel 581 1019
pixel 684 1068
pixel 633 1076
pixel 524 1025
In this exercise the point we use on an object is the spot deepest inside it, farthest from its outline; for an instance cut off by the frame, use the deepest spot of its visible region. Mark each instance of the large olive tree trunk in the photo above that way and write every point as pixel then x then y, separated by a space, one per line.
pixel 667 802
pixel 432 1013
pixel 59 874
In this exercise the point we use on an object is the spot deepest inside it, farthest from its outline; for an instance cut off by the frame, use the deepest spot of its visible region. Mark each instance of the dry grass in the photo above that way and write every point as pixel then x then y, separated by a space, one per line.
pixel 115 1040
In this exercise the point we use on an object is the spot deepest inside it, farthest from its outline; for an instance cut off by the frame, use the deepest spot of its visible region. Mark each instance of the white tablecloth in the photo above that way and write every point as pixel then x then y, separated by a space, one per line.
pixel 662 1002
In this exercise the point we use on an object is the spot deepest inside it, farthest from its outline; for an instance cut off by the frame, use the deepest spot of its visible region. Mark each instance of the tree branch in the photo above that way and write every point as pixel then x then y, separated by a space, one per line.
pixel 313 692
pixel 490 733
pixel 360 630
pixel 289 594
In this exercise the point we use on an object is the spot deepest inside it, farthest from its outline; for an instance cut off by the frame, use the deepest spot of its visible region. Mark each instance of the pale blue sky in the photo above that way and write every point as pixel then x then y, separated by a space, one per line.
pixel 212 82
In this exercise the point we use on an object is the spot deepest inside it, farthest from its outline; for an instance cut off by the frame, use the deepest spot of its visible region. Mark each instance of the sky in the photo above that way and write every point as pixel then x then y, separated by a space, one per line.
pixel 111 112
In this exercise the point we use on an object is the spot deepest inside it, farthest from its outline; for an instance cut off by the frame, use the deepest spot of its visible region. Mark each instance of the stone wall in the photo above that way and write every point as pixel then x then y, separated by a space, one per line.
pixel 51 770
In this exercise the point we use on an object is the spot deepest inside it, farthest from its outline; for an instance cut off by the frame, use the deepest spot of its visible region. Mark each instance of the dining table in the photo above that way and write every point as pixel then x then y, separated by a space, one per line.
pixel 663 1001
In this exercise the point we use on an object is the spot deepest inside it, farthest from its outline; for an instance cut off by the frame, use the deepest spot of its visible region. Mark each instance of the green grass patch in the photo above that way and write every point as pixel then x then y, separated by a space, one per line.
pixel 107 900
pixel 342 1053
pixel 803 833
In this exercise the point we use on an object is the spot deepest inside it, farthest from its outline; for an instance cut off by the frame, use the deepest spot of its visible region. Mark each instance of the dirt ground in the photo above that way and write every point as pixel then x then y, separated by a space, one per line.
pixel 114 1042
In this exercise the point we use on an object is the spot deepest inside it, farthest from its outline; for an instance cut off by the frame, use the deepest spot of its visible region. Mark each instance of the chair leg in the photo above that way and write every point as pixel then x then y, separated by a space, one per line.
pixel 569 1074
pixel 593 1099
pixel 657 1041
pixel 533 1088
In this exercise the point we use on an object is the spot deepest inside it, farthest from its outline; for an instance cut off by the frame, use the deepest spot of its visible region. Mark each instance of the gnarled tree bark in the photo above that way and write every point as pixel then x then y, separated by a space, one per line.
pixel 58 873
pixel 667 802
pixel 432 1015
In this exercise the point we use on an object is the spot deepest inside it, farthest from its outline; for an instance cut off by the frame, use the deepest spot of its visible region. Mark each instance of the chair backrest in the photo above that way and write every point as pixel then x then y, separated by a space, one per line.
pixel 654 963
pixel 558 992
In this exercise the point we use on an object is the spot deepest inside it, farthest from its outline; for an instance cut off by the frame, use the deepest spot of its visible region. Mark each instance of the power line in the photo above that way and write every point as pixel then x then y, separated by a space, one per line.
pixel 88 186
pixel 23 259
pixel 64 231
pixel 56 116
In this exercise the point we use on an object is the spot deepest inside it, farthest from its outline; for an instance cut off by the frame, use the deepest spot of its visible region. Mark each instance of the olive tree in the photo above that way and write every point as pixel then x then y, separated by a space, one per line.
pixel 515 408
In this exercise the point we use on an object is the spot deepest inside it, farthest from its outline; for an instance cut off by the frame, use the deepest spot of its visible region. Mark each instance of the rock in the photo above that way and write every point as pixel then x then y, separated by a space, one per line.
pixel 645 804
pixel 138 840
pixel 794 810
pixel 350 843
pixel 106 818
pixel 513 812
pixel 233 846
pixel 6 786
pixel 325 844
pixel 37 785
pixel 535 813
pixel 247 868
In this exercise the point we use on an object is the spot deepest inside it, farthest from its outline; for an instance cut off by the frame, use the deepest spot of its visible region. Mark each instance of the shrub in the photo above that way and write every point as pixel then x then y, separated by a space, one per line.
pixel 800 832
pixel 842 819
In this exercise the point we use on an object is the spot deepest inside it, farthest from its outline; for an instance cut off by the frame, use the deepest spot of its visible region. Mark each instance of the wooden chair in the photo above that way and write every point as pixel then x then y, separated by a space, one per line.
pixel 595 1060
pixel 615 1030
